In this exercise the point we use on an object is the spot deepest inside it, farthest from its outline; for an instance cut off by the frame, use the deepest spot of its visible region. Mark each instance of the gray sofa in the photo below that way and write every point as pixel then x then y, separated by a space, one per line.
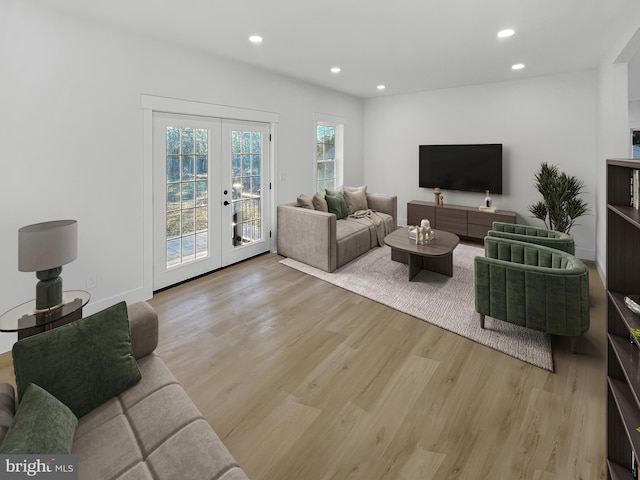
pixel 151 431
pixel 319 239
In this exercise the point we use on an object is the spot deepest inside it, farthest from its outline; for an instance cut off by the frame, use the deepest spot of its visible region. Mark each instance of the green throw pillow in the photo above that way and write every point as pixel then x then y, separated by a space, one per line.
pixel 83 364
pixel 337 205
pixel 43 424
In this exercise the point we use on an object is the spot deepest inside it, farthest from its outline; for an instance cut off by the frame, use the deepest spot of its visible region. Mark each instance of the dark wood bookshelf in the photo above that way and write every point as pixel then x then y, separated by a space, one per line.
pixel 623 352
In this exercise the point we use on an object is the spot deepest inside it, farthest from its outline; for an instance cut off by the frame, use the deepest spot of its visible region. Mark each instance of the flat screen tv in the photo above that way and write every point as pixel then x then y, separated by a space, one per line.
pixel 468 168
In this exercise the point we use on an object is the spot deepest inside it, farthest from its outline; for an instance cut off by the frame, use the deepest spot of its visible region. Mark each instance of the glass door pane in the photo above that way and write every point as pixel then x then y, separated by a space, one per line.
pixel 245 165
pixel 187 194
pixel 246 187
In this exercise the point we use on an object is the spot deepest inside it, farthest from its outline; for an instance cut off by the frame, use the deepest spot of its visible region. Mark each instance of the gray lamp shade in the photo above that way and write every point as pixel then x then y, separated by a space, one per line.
pixel 47 245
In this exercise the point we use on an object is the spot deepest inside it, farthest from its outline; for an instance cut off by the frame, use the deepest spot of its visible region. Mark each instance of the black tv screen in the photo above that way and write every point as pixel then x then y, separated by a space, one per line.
pixel 469 168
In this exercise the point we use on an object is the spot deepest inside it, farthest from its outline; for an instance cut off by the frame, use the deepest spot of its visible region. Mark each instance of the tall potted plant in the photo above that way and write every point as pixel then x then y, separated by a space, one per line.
pixel 561 204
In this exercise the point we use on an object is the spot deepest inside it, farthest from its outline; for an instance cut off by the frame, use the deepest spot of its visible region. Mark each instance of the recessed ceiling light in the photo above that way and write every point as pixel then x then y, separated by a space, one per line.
pixel 381 87
pixel 507 32
pixel 517 66
pixel 335 69
pixel 255 39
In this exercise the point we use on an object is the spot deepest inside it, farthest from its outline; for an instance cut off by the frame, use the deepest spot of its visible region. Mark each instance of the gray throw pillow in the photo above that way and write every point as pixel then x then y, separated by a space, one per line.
pixel 83 364
pixel 343 188
pixel 42 425
pixel 356 199
pixel 320 203
pixel 305 201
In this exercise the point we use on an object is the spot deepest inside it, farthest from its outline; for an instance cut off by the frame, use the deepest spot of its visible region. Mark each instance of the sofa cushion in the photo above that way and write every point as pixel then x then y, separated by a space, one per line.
pixel 151 431
pixel 42 425
pixel 155 375
pixel 110 423
pixel 356 199
pixel 234 473
pixel 192 450
pixel 108 449
pixel 319 203
pixel 305 201
pixel 139 472
pixel 83 364
pixel 352 239
pixel 164 412
pixel 337 205
pixel 373 235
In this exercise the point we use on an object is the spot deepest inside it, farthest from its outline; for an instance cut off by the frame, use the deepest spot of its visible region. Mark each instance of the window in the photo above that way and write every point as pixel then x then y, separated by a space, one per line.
pixel 328 155
pixel 325 157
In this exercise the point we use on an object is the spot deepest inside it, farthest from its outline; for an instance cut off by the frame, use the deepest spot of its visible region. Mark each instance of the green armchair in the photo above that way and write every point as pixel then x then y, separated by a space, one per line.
pixel 532 286
pixel 539 236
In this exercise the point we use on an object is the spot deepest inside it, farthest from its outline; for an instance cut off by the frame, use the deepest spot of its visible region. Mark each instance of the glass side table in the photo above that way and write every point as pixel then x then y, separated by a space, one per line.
pixel 26 321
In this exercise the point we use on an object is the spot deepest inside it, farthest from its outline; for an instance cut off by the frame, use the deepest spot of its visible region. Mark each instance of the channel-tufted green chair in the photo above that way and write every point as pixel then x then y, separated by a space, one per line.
pixel 539 236
pixel 532 286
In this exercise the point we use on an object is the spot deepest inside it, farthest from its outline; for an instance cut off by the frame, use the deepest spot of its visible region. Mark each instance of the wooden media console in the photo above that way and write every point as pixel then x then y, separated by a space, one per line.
pixel 469 222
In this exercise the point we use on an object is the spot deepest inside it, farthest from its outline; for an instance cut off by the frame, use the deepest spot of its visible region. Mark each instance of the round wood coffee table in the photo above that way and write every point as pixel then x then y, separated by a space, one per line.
pixel 435 257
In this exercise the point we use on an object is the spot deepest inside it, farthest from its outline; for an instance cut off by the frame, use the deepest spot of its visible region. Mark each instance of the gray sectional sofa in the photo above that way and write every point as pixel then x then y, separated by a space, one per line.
pixel 152 430
pixel 318 238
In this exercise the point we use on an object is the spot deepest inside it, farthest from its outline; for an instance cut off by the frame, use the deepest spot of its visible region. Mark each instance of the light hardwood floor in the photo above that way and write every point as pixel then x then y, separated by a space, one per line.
pixel 305 381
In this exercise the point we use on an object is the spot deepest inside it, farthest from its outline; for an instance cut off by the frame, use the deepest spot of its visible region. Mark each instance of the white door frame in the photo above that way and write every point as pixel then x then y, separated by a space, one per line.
pixel 152 103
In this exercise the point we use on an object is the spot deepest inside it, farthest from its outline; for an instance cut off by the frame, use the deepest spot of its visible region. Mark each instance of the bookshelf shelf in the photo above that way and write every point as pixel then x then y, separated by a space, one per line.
pixel 628 213
pixel 618 472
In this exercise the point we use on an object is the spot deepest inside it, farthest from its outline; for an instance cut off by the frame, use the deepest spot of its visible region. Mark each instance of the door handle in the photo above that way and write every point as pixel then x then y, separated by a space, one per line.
pixel 225 203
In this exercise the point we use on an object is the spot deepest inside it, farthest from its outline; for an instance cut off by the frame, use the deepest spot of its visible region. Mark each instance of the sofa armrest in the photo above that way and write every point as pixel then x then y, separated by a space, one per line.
pixel 308 236
pixel 384 203
pixel 7 408
pixel 143 322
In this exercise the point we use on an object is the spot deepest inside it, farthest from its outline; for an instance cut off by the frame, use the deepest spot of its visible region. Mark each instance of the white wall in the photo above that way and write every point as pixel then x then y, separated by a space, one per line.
pixel 634 91
pixel 634 114
pixel 634 73
pixel 550 119
pixel 614 93
pixel 613 142
pixel 71 130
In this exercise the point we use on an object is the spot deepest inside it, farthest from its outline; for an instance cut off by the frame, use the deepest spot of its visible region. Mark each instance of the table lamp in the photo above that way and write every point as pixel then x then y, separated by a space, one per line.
pixel 43 248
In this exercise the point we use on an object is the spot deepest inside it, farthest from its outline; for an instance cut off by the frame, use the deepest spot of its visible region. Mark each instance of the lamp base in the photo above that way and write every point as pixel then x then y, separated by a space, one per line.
pixel 49 289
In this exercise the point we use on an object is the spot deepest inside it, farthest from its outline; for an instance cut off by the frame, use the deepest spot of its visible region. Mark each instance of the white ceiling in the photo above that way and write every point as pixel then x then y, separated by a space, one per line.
pixel 408 45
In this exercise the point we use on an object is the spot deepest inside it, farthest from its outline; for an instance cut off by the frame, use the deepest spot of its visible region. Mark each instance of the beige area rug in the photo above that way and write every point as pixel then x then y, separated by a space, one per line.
pixel 447 302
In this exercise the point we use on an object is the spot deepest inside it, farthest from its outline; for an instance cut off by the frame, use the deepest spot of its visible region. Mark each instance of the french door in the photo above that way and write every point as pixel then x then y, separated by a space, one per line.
pixel 211 194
